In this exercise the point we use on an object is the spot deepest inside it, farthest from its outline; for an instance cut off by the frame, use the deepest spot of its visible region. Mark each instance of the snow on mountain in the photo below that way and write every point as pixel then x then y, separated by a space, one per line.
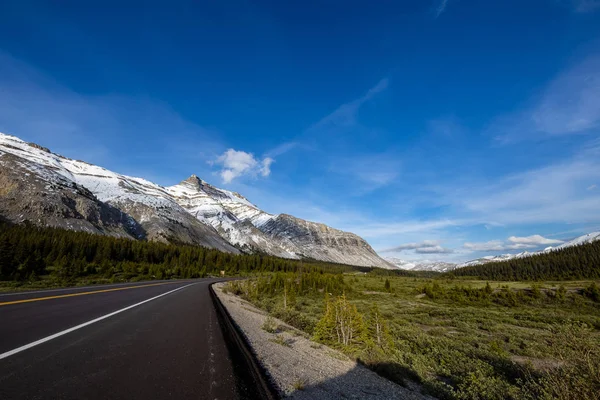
pixel 438 266
pixel 76 195
pixel 231 214
pixel 245 225
pixel 589 238
pixel 445 266
pixel 148 204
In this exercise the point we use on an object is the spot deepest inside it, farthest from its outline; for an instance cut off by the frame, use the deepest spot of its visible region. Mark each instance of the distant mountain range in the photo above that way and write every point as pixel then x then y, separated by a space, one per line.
pixel 47 189
pixel 445 266
pixel 438 266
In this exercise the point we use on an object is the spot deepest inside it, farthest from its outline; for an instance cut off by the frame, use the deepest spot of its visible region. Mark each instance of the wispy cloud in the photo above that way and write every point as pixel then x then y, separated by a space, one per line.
pixel 345 115
pixel 281 149
pixel 557 193
pixel 570 104
pixel 441 7
pixel 375 229
pixel 585 6
pixel 551 194
pixel 371 171
pixel 448 127
pixel 236 163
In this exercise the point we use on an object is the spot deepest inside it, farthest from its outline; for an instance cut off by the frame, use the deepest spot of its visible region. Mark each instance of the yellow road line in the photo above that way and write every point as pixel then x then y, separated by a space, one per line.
pixel 7 303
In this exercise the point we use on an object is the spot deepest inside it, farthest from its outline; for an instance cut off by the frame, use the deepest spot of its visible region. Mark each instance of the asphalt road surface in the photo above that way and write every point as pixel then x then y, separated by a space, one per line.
pixel 150 340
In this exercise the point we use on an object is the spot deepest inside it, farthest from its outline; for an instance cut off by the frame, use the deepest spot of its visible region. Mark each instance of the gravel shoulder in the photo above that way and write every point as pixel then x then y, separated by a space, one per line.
pixel 302 369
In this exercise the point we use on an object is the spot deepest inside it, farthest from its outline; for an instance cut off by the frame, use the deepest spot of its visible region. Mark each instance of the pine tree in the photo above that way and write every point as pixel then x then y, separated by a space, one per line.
pixel 378 328
pixel 341 323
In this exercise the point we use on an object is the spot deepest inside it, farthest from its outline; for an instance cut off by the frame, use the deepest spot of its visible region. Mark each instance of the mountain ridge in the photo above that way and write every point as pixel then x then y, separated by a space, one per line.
pixel 48 189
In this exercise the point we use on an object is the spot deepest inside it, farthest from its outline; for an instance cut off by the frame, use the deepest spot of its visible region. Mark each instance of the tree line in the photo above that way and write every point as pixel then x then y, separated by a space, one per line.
pixel 571 263
pixel 28 253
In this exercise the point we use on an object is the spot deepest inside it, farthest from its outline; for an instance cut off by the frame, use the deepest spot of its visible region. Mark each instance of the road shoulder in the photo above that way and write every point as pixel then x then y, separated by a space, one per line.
pixel 302 369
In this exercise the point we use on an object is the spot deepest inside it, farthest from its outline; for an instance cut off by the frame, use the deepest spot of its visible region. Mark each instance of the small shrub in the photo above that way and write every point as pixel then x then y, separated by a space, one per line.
pixel 300 384
pixel 387 286
pixel 592 292
pixel 561 293
pixel 279 339
pixel 270 325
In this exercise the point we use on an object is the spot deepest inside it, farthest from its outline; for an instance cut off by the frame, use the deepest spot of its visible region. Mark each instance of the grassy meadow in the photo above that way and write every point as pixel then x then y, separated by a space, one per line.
pixel 459 338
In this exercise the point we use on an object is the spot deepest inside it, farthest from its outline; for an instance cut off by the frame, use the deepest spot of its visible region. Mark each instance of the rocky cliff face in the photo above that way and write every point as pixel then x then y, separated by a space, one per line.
pixel 321 242
pixel 51 200
pixel 50 190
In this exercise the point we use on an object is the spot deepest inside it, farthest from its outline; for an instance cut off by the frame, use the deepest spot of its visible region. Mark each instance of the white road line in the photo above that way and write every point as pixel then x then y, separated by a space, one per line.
pixel 48 338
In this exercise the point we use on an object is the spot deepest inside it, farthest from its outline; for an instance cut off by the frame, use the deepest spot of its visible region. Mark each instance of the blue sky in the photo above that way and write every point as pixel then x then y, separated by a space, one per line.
pixel 437 130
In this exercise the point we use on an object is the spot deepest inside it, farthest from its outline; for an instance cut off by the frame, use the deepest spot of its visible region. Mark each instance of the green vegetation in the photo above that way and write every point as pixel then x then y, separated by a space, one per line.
pixel 571 263
pixel 41 257
pixel 270 325
pixel 461 339
pixel 300 384
pixel 280 340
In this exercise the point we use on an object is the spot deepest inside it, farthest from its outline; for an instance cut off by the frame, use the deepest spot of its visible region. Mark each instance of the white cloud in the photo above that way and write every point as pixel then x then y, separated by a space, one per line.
pixel 512 243
pixel 441 8
pixel 411 246
pixel 437 249
pixel 424 247
pixel 236 163
pixel 265 167
pixel 592 187
pixel 492 245
pixel 536 240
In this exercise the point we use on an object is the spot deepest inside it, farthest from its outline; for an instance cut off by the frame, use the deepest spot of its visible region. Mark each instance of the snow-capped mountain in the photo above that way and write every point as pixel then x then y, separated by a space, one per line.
pixel 588 238
pixel 47 189
pixel 440 266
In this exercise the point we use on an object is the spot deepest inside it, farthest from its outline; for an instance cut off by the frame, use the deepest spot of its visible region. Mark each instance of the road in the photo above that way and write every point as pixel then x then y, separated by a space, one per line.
pixel 150 340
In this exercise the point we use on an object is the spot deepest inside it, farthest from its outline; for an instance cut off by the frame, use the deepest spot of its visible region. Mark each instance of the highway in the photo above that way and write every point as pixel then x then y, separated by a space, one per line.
pixel 149 340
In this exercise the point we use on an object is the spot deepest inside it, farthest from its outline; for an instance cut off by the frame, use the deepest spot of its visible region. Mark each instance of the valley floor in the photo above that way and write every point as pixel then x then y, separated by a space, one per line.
pixel 461 339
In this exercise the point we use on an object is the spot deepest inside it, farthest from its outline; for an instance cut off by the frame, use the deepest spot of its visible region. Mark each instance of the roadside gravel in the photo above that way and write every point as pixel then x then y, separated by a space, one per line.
pixel 302 369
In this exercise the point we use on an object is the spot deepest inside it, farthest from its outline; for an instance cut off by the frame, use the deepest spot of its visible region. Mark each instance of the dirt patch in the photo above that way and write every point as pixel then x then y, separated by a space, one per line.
pixel 373 292
pixel 538 364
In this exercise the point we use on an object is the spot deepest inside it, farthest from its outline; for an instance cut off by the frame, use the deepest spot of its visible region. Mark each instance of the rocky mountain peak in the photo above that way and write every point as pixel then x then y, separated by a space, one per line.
pixel 37 146
pixel 194 182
